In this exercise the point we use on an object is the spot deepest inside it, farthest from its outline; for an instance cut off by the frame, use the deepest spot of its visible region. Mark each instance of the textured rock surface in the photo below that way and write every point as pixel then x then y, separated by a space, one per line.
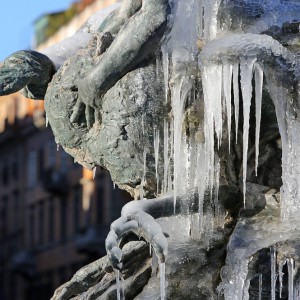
pixel 125 119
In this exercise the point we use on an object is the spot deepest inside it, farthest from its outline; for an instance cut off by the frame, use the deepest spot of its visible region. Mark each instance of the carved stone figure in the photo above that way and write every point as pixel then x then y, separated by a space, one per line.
pixel 192 106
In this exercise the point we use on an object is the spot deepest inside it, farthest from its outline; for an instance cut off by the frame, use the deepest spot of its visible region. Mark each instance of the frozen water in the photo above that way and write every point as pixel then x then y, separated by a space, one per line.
pixel 246 66
pixel 290 264
pixel 273 272
pixel 258 102
pixel 162 272
pixel 156 154
pixel 260 286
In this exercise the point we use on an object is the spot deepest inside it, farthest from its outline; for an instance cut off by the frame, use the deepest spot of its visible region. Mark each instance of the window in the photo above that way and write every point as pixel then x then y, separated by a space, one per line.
pixel 77 207
pixel 3 215
pixel 51 153
pixel 63 218
pixel 5 175
pixel 41 223
pixel 32 226
pixel 16 205
pixel 32 169
pixel 15 169
pixel 64 161
pixel 99 204
pixel 51 220
pixel 41 163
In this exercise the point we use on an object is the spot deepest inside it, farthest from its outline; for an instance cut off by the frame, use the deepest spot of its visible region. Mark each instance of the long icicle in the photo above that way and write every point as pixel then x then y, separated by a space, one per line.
pixel 290 264
pixel 258 100
pixel 246 66
pixel 227 79
pixel 259 286
pixel 162 271
pixel 273 271
pixel 156 154
pixel 280 275
pixel 166 156
pixel 236 97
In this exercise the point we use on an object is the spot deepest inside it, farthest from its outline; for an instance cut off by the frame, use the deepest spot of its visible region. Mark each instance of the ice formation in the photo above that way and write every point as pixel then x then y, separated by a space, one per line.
pixel 232 68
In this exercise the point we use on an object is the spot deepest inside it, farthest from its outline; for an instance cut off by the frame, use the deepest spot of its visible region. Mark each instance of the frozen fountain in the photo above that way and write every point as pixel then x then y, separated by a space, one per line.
pixel 202 132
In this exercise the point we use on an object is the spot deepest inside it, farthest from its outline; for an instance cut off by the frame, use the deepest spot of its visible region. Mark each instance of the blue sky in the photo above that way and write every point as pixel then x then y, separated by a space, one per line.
pixel 16 21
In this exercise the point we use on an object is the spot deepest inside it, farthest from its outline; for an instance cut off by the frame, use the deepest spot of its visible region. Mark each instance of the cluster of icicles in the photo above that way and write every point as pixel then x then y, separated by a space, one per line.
pixel 190 164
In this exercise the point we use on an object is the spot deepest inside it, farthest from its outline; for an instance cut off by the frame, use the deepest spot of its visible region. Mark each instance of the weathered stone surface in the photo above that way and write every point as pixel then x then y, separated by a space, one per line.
pixel 125 119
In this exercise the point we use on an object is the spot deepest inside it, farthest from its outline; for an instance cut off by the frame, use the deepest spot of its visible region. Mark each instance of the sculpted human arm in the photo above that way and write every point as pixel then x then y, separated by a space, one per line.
pixel 131 45
pixel 32 70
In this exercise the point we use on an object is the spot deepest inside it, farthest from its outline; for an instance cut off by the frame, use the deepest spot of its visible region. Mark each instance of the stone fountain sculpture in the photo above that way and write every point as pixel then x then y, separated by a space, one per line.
pixel 192 106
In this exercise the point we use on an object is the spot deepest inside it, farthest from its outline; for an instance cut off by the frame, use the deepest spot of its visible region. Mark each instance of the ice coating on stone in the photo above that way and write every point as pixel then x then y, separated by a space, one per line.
pixel 165 63
pixel 273 272
pixel 258 102
pixel 245 291
pixel 61 51
pixel 289 127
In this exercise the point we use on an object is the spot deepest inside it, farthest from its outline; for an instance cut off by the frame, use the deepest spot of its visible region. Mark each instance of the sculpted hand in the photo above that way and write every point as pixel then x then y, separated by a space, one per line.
pixel 26 69
pixel 84 109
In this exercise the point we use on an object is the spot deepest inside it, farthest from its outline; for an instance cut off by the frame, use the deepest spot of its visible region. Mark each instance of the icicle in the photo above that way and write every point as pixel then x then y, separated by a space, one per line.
pixel 94 173
pixel 212 90
pixel 259 286
pixel 143 176
pixel 236 96
pixel 201 182
pixel 165 63
pixel 246 290
pixel 258 101
pixel 150 250
pixel 166 155
pixel 227 79
pixel 119 283
pixel 154 264
pixel 179 96
pixel 280 275
pixel 156 153
pixel 218 216
pixel 290 264
pixel 143 124
pixel 47 120
pixel 246 66
pixel 162 271
pixel 273 271
pixel 57 147
pixel 114 185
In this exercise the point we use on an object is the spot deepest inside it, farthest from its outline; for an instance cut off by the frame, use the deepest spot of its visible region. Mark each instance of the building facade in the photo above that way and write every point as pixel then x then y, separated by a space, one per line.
pixel 54 216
